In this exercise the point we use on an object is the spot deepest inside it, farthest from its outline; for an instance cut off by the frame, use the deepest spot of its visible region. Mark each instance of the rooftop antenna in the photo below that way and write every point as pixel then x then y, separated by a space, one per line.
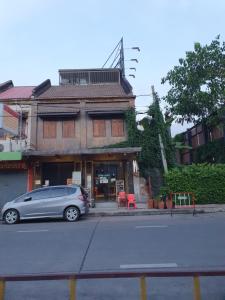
pixel 118 60
pixel 117 57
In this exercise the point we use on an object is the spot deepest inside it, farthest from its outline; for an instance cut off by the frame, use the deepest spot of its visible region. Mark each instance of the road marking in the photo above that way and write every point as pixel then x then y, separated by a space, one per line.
pixel 152 226
pixel 40 230
pixel 142 266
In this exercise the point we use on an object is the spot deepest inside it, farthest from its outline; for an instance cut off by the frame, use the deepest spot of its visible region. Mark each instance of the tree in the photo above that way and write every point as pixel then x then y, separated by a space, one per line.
pixel 155 125
pixel 198 83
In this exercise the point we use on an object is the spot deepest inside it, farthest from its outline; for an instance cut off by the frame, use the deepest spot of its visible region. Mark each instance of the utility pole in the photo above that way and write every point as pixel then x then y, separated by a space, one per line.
pixel 161 145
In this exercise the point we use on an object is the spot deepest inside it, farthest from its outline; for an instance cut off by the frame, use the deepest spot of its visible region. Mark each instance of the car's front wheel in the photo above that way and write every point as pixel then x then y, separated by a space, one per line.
pixel 72 214
pixel 11 216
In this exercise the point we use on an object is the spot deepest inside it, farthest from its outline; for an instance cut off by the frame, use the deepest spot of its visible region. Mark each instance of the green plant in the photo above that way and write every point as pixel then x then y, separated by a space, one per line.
pixel 206 181
pixel 198 83
pixel 212 152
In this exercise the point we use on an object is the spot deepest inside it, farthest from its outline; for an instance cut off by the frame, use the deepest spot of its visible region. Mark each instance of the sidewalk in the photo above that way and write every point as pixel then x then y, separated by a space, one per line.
pixel 111 209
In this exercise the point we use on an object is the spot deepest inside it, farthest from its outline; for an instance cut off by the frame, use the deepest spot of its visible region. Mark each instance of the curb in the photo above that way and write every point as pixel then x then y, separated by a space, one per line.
pixel 143 212
pixel 151 212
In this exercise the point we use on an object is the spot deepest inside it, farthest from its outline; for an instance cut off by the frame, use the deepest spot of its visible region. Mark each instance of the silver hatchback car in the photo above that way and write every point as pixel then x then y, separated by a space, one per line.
pixel 68 202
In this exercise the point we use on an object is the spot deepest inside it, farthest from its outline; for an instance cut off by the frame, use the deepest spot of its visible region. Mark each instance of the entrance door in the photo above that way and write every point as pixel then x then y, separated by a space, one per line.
pixel 57 173
pixel 105 176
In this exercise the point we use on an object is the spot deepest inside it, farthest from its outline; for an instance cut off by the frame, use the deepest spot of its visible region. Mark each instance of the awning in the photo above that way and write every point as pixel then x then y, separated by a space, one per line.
pixel 58 115
pixel 101 113
pixel 126 150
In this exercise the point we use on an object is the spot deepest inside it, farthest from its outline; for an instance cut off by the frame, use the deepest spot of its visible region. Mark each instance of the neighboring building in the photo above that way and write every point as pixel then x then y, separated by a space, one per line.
pixel 198 138
pixel 15 124
pixel 13 140
pixel 71 127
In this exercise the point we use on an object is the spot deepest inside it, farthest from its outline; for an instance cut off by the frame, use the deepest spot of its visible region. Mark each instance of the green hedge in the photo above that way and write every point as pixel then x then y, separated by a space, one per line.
pixel 206 181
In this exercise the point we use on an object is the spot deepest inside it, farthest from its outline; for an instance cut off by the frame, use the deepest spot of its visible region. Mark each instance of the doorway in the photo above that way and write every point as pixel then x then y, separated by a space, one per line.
pixel 105 176
pixel 57 173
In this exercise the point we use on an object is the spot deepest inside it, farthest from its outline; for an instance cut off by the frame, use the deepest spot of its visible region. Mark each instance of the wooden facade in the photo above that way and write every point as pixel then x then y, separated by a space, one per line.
pixel 197 136
pixel 71 128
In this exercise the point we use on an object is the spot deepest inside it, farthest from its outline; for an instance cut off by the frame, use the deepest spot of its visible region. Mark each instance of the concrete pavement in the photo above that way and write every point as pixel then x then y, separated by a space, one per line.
pixel 128 243
pixel 111 209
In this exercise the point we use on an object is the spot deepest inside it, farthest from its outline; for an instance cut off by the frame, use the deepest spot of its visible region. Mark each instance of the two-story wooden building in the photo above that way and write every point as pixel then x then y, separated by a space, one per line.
pixel 72 125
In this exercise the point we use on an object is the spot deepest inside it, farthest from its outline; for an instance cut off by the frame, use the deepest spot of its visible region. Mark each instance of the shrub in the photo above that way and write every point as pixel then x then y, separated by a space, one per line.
pixel 206 181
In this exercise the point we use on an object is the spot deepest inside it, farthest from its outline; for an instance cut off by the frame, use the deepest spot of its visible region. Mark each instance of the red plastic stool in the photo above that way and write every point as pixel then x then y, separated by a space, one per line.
pixel 131 201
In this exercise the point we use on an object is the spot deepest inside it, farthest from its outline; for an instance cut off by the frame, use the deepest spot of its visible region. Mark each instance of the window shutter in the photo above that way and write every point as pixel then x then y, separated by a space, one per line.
pixel 68 128
pixel 49 129
pixel 117 127
pixel 99 129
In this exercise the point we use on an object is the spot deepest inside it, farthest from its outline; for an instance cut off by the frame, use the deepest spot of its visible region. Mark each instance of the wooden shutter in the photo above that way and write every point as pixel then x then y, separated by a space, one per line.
pixel 117 127
pixel 99 128
pixel 68 128
pixel 49 129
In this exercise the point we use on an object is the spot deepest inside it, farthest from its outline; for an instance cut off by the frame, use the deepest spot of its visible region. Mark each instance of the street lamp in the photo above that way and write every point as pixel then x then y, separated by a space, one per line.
pixel 133 59
pixel 134 48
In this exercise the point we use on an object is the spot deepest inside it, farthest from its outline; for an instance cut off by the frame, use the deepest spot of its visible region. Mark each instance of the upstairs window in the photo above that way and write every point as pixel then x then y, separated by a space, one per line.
pixel 68 128
pixel 99 129
pixel 49 129
pixel 117 127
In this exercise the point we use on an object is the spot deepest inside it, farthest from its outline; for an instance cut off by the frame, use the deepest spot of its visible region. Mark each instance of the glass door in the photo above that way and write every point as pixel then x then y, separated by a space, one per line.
pixel 105 176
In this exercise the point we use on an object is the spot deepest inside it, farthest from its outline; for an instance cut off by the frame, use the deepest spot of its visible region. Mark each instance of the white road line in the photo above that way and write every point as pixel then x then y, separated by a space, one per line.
pixel 41 230
pixel 152 226
pixel 142 266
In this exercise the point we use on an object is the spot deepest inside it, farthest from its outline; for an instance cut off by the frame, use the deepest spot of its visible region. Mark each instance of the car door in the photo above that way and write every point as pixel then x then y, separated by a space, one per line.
pixel 59 198
pixel 34 203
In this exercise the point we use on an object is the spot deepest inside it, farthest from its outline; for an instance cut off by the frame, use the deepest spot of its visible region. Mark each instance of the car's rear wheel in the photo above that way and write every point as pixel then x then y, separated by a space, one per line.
pixel 72 214
pixel 11 216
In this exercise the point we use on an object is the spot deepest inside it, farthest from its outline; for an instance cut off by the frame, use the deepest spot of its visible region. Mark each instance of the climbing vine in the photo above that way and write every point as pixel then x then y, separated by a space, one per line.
pixel 148 139
pixel 154 124
pixel 212 152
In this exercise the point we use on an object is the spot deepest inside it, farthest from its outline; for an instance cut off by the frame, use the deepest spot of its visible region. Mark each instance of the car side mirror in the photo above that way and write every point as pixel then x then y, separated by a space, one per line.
pixel 27 199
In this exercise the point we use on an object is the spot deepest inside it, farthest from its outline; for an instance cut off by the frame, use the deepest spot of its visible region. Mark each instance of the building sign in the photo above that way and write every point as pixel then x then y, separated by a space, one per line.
pixel 10 156
pixel 76 177
pixel 20 165
pixel 119 186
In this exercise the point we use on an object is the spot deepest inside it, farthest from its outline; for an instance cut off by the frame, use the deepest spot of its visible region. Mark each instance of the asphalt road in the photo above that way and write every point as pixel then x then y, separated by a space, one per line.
pixel 109 244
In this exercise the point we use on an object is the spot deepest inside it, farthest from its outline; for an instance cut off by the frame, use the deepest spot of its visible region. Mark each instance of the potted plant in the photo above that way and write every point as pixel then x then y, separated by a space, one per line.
pixel 161 203
pixel 150 203
pixel 155 203
pixel 165 197
pixel 169 203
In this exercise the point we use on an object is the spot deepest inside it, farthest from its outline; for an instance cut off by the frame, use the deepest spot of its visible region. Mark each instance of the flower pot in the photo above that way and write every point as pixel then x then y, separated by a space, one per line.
pixel 155 203
pixel 161 204
pixel 150 203
pixel 169 204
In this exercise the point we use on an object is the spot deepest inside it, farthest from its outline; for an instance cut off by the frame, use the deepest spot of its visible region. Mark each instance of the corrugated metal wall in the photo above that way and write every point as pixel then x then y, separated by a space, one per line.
pixel 12 184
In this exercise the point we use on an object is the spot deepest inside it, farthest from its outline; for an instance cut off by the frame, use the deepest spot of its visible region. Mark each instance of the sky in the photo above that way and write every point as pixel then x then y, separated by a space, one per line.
pixel 38 37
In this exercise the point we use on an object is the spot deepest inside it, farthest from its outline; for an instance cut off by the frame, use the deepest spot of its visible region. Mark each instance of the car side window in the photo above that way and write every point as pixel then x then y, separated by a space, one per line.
pixel 21 198
pixel 58 192
pixel 41 194
pixel 71 190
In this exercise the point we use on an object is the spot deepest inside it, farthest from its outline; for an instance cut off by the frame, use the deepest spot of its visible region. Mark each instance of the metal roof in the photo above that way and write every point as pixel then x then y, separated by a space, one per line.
pixel 17 92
